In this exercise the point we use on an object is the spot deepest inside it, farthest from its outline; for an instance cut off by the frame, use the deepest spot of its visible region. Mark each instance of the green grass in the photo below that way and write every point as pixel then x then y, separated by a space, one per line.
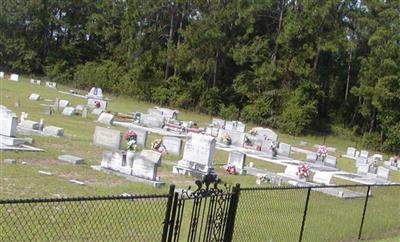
pixel 273 213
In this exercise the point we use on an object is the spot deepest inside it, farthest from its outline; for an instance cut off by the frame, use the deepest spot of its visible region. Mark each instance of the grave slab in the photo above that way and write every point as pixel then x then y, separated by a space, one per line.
pixel 71 159
pixel 53 131
pixel 109 138
pixel 106 118
pixel 34 97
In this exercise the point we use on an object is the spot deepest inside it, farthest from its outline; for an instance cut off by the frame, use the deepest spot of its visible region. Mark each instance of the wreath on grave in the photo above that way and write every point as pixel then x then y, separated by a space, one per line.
pixel 230 169
pixel 226 139
pixel 303 170
pixel 262 178
pixel 158 146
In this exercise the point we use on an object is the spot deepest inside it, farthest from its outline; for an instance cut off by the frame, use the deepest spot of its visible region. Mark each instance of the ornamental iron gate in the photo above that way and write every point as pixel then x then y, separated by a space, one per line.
pixel 205 214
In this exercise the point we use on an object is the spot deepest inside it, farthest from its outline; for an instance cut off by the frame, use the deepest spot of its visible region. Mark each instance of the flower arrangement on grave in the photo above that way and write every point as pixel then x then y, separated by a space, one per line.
pixel 322 150
pixel 262 178
pixel 131 137
pixel 303 170
pixel 158 146
pixel 97 104
pixel 230 169
pixel 226 139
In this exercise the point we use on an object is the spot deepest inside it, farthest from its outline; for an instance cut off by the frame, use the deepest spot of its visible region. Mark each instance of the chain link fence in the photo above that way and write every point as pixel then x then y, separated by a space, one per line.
pixel 328 213
pixel 116 218
pixel 310 214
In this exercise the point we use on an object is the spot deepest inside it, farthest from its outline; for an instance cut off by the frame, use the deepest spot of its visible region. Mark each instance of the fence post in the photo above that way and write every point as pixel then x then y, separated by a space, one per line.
pixel 305 214
pixel 168 212
pixel 230 223
pixel 364 210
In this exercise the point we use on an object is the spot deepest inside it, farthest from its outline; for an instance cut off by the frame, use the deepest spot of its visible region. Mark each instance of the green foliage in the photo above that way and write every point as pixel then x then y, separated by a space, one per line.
pixel 371 141
pixel 229 112
pixel 300 109
pixel 290 64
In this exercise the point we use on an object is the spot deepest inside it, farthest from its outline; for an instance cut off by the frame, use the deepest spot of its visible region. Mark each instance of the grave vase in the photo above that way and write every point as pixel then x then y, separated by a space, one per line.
pixel 129 158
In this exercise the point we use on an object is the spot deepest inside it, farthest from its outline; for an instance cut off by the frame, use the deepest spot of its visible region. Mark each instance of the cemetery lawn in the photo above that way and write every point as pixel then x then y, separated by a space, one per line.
pixel 24 181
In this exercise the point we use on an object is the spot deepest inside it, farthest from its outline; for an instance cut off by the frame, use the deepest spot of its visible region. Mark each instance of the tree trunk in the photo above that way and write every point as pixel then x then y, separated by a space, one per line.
pixel 170 36
pixel 348 77
pixel 179 38
pixel 275 51
pixel 215 68
pixel 373 120
pixel 316 59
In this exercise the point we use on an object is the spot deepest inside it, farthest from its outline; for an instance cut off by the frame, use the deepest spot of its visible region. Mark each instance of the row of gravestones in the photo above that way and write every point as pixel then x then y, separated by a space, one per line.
pixel 328 160
pixel 198 154
pixel 15 77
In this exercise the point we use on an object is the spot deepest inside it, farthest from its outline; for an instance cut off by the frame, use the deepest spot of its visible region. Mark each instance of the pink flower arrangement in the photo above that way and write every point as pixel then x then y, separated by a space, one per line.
pixel 322 150
pixel 231 169
pixel 303 170
pixel 129 135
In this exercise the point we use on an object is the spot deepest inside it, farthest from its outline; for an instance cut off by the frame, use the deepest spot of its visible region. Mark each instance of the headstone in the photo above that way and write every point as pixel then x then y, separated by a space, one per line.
pixel 291 171
pixel 106 118
pixel 152 120
pixel 266 145
pixel 364 154
pixel 198 155
pixel 322 177
pixel 363 169
pixel 284 149
pixel 97 103
pixel 236 137
pixel 84 113
pixel 8 121
pixel 109 138
pixel 311 157
pixel 212 131
pixel 218 123
pixel 168 113
pixel 115 160
pixel 51 84
pixel 241 127
pixel 63 103
pixel 96 92
pixel 235 125
pixel 97 111
pixel 17 103
pixel 154 111
pixel 330 161
pixel 10 161
pixel 53 131
pixel 172 144
pixel 383 173
pixel 71 159
pixel 1 75
pixel 141 138
pixel 79 108
pixel 28 124
pixel 34 97
pixel 14 77
pixel 238 159
pixel 377 157
pixel 145 164
pixel 35 82
pixel 68 111
pixel 351 152
pixel 361 161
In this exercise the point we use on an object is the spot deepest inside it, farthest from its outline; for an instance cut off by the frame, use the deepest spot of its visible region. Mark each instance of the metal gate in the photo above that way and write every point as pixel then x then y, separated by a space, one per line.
pixel 205 214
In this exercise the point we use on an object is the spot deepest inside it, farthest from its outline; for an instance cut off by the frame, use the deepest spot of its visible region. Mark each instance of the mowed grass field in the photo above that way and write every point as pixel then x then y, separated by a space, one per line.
pixel 272 214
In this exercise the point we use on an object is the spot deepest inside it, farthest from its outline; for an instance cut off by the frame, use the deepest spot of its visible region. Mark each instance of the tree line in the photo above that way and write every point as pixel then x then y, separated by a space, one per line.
pixel 288 64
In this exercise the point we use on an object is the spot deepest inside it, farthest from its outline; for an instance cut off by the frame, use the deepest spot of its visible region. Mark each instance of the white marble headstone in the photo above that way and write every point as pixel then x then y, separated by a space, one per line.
pixel 1 75
pixel 106 118
pixel 383 173
pixel 152 120
pixel 63 103
pixel 330 161
pixel 199 149
pixel 363 169
pixel 364 154
pixel 218 123
pixel 34 97
pixel 14 77
pixel 323 177
pixel 238 159
pixel 68 111
pixel 107 137
pixel 351 151
pixel 236 136
pixel 8 121
pixel 284 149
pixel 172 144
pixel 51 84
